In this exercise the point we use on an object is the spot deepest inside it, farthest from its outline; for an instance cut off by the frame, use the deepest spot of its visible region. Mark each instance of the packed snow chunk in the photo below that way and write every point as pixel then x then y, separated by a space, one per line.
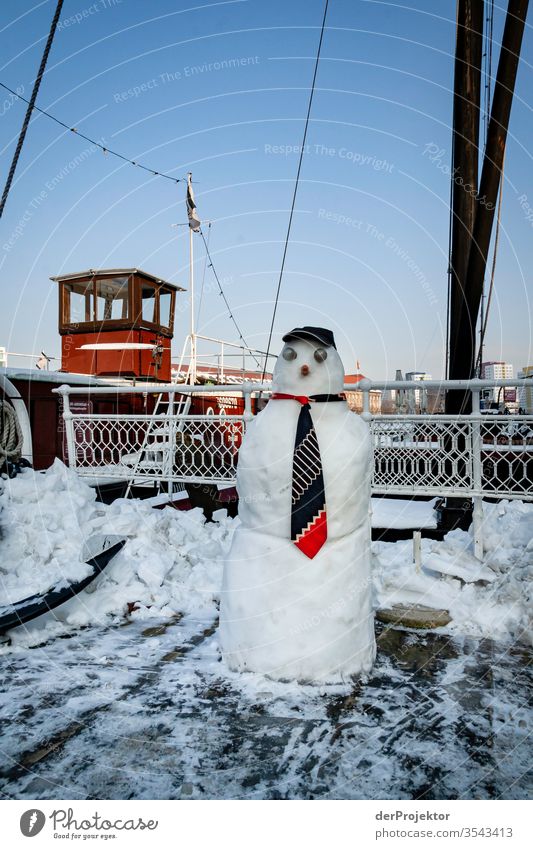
pixel 507 533
pixel 403 513
pixel 172 560
pixel 489 599
pixel 44 520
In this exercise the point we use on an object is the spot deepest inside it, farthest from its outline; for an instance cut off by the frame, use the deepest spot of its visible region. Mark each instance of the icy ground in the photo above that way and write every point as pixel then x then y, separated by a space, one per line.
pixel 103 703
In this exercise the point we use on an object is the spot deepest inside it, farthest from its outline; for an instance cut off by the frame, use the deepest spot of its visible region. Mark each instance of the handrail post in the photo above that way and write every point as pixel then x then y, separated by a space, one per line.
pixel 247 395
pixel 69 426
pixel 365 385
pixel 456 472
pixel 171 448
pixel 477 474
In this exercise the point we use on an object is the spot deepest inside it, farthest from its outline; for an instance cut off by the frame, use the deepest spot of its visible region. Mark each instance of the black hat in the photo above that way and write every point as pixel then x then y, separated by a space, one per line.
pixel 319 334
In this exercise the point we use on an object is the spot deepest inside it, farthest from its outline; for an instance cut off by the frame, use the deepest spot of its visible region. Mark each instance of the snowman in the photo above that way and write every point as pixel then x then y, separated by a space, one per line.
pixel 296 593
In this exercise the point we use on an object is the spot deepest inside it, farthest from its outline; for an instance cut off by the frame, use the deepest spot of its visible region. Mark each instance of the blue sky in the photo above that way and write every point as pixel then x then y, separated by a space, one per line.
pixel 221 89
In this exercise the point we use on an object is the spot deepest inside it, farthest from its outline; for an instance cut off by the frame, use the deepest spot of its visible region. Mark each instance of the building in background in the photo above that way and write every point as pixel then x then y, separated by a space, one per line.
pixel 355 398
pixel 435 399
pixel 525 393
pixel 417 399
pixel 499 397
pixel 393 401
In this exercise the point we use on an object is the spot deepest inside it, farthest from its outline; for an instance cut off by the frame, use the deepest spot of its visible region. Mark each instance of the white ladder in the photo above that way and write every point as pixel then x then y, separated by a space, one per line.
pixel 155 456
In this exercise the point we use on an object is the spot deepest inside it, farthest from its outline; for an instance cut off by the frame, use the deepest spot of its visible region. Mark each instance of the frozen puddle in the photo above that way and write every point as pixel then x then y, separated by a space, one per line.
pixel 137 712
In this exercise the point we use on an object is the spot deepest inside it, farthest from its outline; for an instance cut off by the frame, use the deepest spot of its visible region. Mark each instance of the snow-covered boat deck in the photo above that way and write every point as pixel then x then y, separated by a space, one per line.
pixel 149 712
pixel 122 692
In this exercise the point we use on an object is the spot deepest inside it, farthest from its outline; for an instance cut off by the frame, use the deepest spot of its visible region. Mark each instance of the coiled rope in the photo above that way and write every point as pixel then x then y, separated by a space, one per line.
pixel 11 438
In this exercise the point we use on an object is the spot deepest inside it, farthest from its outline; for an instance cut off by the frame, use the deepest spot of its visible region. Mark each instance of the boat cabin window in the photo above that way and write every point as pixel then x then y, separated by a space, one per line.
pixel 79 302
pixel 112 298
pixel 148 302
pixel 165 303
pixel 116 302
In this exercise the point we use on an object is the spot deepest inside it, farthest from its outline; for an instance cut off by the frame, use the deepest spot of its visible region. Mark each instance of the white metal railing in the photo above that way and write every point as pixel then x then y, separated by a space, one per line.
pixel 469 456
pixel 219 359
pixel 170 447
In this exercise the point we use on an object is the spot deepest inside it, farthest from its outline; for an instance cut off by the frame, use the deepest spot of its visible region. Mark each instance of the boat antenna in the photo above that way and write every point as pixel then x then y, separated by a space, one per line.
pixel 31 104
pixel 302 148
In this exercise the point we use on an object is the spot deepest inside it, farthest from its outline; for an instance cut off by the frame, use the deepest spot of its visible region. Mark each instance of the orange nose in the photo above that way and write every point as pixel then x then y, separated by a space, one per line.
pixel 304 370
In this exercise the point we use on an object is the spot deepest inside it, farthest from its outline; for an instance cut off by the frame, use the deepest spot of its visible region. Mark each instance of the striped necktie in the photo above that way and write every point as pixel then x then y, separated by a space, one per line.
pixel 309 529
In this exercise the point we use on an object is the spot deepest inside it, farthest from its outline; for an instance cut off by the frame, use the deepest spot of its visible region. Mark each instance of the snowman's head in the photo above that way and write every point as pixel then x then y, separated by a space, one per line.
pixel 308 364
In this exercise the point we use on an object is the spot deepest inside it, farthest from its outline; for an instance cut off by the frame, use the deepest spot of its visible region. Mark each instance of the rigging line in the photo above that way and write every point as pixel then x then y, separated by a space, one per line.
pixel 302 149
pixel 212 267
pixel 203 278
pixel 102 147
pixel 449 289
pixel 489 29
pixel 31 104
pixel 487 69
pixel 483 329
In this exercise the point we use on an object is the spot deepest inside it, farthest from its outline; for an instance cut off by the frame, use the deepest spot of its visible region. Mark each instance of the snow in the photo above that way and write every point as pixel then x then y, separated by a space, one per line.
pixel 282 613
pixel 303 619
pixel 141 706
pixel 403 513
pixel 489 599
pixel 172 561
pixel 118 713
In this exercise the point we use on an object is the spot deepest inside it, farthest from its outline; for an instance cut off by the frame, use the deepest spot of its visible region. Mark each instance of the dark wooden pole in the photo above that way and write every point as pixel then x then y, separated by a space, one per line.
pixel 463 321
pixel 491 174
pixel 465 165
pixel 472 224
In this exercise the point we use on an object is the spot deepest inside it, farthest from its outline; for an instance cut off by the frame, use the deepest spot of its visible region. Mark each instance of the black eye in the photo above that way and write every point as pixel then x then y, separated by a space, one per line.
pixel 320 355
pixel 289 354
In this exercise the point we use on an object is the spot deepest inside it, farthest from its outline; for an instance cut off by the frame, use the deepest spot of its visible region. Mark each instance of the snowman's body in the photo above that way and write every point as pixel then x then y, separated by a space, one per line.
pixel 282 613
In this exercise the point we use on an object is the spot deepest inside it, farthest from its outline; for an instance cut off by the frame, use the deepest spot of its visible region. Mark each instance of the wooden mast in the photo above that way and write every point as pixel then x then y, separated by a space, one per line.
pixel 470 242
pixel 472 206
pixel 465 157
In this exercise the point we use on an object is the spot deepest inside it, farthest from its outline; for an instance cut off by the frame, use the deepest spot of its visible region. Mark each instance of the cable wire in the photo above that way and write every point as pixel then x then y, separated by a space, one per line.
pixel 31 104
pixel 483 328
pixel 103 148
pixel 295 188
pixel 489 38
pixel 203 278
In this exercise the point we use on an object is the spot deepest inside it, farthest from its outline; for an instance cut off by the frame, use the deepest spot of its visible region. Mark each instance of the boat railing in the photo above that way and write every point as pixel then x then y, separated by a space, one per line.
pixel 471 456
pixel 224 358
